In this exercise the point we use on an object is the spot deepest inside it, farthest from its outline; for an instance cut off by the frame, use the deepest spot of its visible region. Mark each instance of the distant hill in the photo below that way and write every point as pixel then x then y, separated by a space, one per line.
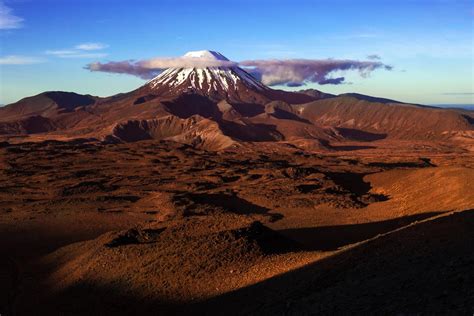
pixel 219 107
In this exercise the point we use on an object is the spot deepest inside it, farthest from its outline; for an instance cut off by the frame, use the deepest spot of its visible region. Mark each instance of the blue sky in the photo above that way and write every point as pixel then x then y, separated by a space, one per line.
pixel 428 43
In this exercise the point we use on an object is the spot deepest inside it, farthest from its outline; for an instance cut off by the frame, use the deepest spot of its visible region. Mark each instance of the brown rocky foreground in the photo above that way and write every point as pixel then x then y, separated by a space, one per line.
pixel 163 228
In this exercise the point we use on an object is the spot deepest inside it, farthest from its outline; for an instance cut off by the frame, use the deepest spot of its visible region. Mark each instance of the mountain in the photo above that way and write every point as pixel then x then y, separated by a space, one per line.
pixel 44 112
pixel 395 120
pixel 221 106
pixel 379 99
pixel 217 83
pixel 369 98
pixel 317 94
pixel 46 104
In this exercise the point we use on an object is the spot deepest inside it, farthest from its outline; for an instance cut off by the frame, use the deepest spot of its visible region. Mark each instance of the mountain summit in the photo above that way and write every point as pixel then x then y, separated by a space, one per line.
pixel 206 54
pixel 210 102
pixel 216 81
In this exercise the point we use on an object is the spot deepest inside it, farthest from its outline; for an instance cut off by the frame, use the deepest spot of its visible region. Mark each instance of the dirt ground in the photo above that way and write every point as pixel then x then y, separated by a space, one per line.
pixel 155 226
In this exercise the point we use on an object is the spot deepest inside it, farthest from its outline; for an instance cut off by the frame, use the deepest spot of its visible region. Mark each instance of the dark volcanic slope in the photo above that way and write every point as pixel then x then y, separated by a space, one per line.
pixel 206 107
pixel 45 112
pixel 175 262
pixel 317 94
pixel 188 230
pixel 64 176
pixel 218 83
pixel 423 269
pixel 392 120
pixel 47 104
pixel 369 98
pixel 219 107
pixel 139 115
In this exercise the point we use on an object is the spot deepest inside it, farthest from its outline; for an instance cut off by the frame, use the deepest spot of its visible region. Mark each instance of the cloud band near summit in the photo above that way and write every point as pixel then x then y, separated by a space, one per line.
pixel 272 72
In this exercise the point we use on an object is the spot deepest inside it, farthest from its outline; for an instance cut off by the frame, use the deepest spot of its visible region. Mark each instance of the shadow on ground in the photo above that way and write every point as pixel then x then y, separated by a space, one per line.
pixel 228 202
pixel 424 268
pixel 328 238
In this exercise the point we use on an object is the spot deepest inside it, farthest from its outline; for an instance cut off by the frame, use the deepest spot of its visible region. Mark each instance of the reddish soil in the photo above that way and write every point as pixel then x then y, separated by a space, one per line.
pixel 263 228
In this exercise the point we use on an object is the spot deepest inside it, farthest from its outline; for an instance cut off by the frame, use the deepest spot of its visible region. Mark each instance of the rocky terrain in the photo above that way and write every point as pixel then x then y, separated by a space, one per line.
pixel 206 192
pixel 151 225
pixel 214 108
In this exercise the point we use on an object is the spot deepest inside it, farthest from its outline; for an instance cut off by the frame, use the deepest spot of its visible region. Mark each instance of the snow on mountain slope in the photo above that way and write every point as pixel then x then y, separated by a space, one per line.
pixel 208 54
pixel 207 79
pixel 222 82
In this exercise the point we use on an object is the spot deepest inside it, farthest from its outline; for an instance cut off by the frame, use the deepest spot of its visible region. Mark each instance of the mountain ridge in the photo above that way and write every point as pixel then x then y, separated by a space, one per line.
pixel 220 106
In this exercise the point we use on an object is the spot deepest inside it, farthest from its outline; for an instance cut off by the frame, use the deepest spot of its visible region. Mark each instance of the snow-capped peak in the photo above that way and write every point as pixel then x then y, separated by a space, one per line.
pixel 206 54
pixel 223 79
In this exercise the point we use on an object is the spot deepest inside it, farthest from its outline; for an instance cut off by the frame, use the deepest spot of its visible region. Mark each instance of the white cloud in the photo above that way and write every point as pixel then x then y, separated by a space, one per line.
pixel 149 68
pixel 60 52
pixel 19 60
pixel 290 72
pixel 186 62
pixel 67 53
pixel 7 19
pixel 91 46
pixel 80 51
pixel 85 55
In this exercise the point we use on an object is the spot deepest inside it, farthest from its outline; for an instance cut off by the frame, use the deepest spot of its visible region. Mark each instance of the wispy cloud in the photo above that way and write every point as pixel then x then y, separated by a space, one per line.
pixel 80 51
pixel 128 67
pixel 61 52
pixel 374 57
pixel 91 46
pixel 7 19
pixel 149 68
pixel 295 72
pixel 74 54
pixel 290 72
pixel 184 62
pixel 86 55
pixel 20 60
